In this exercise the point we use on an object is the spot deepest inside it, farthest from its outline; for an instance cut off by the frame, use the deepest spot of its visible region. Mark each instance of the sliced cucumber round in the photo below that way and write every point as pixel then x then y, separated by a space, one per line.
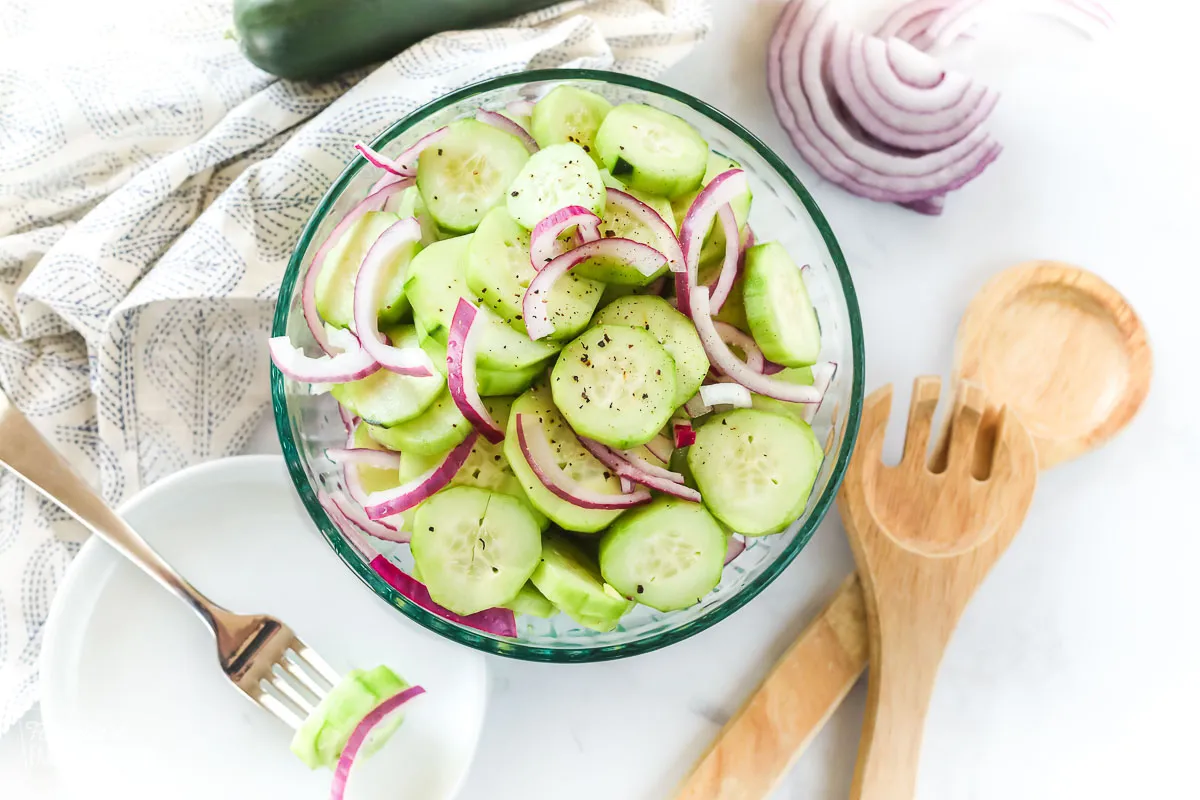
pixel 568 114
pixel 323 735
pixel 467 173
pixel 499 272
pixel 410 204
pixel 436 430
pixel 755 469
pixel 532 602
pixel 673 331
pixel 385 398
pixel 488 381
pixel 778 308
pixel 475 548
pixel 572 458
pixel 555 177
pixel 335 283
pixel 666 555
pixel 651 150
pixel 615 384
pixel 571 580
pixel 436 280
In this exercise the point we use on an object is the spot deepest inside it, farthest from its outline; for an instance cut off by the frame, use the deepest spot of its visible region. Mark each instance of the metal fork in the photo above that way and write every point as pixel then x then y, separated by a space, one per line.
pixel 261 656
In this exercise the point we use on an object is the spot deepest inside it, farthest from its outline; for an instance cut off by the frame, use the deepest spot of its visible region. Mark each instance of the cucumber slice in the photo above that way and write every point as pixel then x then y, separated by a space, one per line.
pixel 799 375
pixel 555 177
pixel 490 382
pixel 673 331
pixel 571 580
pixel 475 548
pixel 499 272
pixel 467 173
pixel 524 120
pixel 323 735
pixel 666 555
pixel 778 308
pixel 372 479
pixel 532 602
pixel 572 457
pixel 568 114
pixel 410 204
pixel 437 279
pixel 385 398
pixel 335 284
pixel 437 429
pixel 615 384
pixel 651 150
pixel 755 469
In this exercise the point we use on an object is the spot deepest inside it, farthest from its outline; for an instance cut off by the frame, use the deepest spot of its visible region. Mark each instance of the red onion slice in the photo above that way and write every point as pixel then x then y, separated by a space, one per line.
pixel 461 349
pixel 733 253
pixel 602 453
pixel 361 732
pixel 685 434
pixel 720 191
pixel 626 462
pixel 380 161
pixel 737 546
pixel 696 407
pixel 520 108
pixel 376 528
pixel 503 123
pixel 822 377
pixel 496 621
pixel 534 306
pixel 725 361
pixel 642 465
pixel 665 486
pixel 544 245
pixel 403 497
pixel 661 448
pixel 348 418
pixel 344 367
pixel 368 288
pixel 903 22
pixel 744 342
pixel 626 486
pixel 406 162
pixel 308 293
pixel 665 239
pixel 725 394
pixel 364 457
pixel 537 451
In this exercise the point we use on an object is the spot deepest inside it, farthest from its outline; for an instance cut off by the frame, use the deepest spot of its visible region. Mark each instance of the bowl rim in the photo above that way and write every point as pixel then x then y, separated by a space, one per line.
pixel 515 648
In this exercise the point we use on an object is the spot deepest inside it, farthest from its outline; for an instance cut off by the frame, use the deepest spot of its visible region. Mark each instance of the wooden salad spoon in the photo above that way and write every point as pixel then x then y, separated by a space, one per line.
pixel 1085 356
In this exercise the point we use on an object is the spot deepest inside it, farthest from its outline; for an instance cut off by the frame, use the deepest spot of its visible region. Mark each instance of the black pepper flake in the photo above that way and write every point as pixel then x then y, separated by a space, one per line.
pixel 430 527
pixel 514 194
pixel 607 474
pixel 609 234
pixel 644 395
pixel 640 588
pixel 723 422
pixel 658 372
pixel 576 378
pixel 440 150
pixel 601 343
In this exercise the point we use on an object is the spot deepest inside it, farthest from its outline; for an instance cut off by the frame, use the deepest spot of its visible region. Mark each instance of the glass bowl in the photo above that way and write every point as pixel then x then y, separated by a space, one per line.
pixel 782 210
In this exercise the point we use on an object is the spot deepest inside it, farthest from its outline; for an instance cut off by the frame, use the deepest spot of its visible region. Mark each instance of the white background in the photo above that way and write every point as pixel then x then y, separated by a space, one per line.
pixel 1076 671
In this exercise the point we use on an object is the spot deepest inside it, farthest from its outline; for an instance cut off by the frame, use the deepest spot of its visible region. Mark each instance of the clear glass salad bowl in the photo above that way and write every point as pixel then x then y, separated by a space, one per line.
pixel 782 210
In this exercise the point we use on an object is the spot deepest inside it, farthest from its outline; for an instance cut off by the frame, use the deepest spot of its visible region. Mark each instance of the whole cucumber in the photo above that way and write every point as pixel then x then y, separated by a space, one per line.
pixel 318 39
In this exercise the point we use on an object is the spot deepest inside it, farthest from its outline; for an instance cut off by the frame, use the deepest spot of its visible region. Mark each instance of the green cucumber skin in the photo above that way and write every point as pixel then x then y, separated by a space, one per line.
pixel 312 40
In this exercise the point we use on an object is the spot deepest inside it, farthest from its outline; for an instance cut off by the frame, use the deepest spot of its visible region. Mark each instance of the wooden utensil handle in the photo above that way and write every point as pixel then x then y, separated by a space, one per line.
pixel 761 742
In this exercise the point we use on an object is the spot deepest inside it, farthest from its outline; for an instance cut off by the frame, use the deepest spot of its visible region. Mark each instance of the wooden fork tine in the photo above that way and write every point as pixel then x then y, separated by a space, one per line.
pixel 969 407
pixel 926 390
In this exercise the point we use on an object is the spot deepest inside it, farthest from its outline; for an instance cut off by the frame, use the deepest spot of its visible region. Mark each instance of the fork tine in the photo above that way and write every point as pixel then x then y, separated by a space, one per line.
pixel 291 664
pixel 274 701
pixel 964 428
pixel 314 664
pixel 926 391
pixel 282 681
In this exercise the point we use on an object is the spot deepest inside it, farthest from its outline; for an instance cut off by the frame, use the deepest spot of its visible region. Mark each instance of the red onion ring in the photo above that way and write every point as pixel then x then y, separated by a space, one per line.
pixel 626 486
pixel 640 464
pixel 685 434
pixel 665 486
pixel 461 350
pixel 665 239
pixel 350 365
pixel 733 258
pixel 534 306
pixel 520 108
pixel 661 448
pixel 625 463
pixel 348 419
pixel 537 451
pixel 376 528
pixel 725 394
pixel 822 377
pixel 369 285
pixel 744 342
pixel 496 621
pixel 403 497
pixel 503 123
pixel 870 61
pixel 903 20
pixel 544 245
pixel 380 161
pixel 364 457
pixel 737 545
pixel 308 293
pixel 361 732
pixel 720 191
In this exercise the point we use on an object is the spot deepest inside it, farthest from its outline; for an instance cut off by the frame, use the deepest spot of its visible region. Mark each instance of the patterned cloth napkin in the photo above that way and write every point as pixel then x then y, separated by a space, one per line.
pixel 152 186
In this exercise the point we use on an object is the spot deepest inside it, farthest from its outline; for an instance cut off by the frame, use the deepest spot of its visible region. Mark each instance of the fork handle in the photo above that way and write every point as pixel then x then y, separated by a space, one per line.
pixel 26 453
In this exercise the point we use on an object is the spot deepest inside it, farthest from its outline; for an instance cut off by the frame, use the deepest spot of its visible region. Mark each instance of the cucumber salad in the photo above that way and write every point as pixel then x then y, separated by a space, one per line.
pixel 572 379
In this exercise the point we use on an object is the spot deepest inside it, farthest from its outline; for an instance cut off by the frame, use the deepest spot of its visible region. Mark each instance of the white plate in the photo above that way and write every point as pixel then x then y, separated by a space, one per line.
pixel 131 693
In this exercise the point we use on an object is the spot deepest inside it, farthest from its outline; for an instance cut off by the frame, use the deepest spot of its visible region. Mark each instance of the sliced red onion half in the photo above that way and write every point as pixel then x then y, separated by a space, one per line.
pixel 403 497
pixel 520 108
pixel 822 377
pixel 720 191
pixel 461 350
pixel 348 418
pixel 633 468
pixel 733 258
pixel 685 434
pixel 377 528
pixel 665 239
pixel 361 731
pixel 744 342
pixel 725 394
pixel 661 448
pixel 369 286
pixel 538 452
pixel 380 161
pixel 544 245
pixel 308 293
pixel 344 367
pixel 364 457
pixel 796 83
pixel 496 621
pixel 729 364
pixel 534 306
pixel 737 544
pixel 503 123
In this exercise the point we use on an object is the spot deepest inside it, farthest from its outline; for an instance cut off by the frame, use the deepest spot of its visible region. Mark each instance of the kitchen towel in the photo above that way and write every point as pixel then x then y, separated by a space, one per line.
pixel 152 186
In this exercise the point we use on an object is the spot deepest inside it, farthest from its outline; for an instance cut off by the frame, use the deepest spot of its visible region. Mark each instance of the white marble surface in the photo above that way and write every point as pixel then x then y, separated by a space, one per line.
pixel 1075 670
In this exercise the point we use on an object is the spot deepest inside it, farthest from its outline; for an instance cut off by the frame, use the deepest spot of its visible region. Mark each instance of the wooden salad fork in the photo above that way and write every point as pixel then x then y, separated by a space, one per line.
pixel 925 533
pixel 261 656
